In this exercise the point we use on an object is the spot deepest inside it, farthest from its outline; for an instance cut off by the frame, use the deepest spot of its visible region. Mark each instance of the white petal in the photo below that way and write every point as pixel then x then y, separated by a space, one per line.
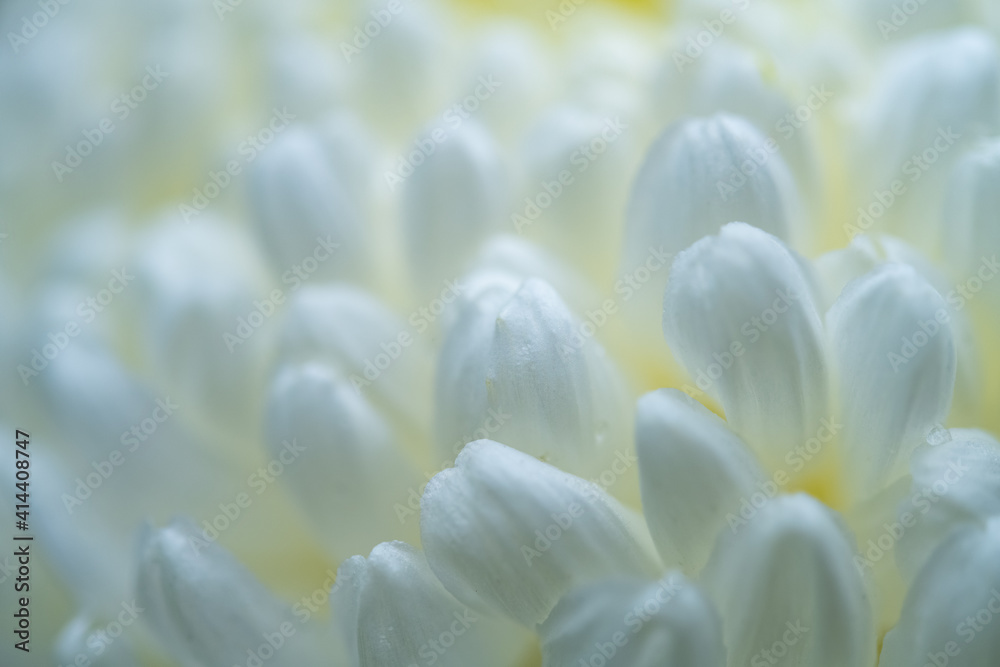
pixel 730 78
pixel 194 284
pixel 837 268
pixel 954 482
pixel 739 315
pixel 207 609
pixel 577 162
pixel 393 611
pixel 117 464
pixel 634 623
pixel 402 68
pixel 968 393
pixel 840 267
pixel 678 196
pixel 89 247
pixel 968 226
pixel 892 348
pixel 505 531
pixel 520 257
pixel 950 614
pixel 946 79
pixel 882 18
pixel 379 353
pixel 524 370
pixel 938 92
pixel 304 72
pixel 305 213
pixel 451 202
pixel 514 54
pixel 786 583
pixel 694 472
pixel 349 473
pixel 90 560
pixel 87 637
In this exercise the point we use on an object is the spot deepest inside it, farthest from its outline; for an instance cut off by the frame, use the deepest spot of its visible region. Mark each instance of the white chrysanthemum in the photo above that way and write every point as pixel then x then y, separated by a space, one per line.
pixel 393 334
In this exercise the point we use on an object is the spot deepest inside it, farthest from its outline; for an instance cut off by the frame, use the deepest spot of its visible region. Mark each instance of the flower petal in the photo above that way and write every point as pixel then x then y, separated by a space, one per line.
pixel 968 228
pixel 694 472
pixel 522 371
pixel 84 636
pixel 937 92
pixel 193 284
pixel 520 257
pixel 955 482
pixel 505 531
pixel 304 208
pixel 347 467
pixel 207 609
pixel 894 353
pixel 691 184
pixel 451 203
pixel 634 623
pixel 950 613
pixel 739 315
pixel 787 578
pixel 393 611
pixel 839 267
pixel 577 162
pixel 379 353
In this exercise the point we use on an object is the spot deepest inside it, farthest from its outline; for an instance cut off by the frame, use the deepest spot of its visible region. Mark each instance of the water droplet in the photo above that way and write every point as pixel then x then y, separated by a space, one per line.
pixel 938 436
